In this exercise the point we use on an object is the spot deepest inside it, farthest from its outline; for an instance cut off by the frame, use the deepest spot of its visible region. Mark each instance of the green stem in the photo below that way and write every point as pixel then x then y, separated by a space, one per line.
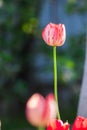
pixel 55 80
pixel 40 128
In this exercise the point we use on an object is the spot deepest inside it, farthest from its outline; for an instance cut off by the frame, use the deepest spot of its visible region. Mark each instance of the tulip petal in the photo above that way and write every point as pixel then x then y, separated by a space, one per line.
pixel 80 123
pixel 57 125
pixel 54 34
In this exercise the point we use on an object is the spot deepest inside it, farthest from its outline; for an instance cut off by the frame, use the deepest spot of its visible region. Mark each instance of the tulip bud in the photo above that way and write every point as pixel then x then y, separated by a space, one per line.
pixel 54 34
pixel 40 110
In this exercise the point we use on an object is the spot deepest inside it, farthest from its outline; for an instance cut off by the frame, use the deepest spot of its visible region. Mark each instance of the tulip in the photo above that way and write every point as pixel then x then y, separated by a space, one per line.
pixel 54 34
pixel 57 125
pixel 80 123
pixel 40 110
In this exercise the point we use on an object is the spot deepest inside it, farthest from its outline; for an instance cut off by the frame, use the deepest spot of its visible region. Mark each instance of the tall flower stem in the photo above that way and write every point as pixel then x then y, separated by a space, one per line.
pixel 55 79
pixel 40 128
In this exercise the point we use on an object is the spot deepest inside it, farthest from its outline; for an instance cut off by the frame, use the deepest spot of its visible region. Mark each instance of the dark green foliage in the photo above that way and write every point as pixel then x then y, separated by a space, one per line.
pixel 18 29
pixel 76 6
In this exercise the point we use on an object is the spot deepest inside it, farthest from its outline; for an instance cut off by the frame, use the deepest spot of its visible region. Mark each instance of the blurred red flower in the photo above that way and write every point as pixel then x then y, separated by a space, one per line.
pixel 57 125
pixel 54 34
pixel 40 110
pixel 80 123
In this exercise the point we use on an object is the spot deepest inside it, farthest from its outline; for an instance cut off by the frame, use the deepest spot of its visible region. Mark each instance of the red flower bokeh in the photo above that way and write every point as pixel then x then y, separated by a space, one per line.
pixel 80 123
pixel 54 34
pixel 57 125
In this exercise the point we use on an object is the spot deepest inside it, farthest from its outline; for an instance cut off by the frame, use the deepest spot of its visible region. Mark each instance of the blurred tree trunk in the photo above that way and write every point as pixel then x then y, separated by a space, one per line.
pixel 82 106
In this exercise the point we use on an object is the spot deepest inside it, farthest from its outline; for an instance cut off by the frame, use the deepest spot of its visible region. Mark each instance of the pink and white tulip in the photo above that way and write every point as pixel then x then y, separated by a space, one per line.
pixel 54 34
pixel 40 110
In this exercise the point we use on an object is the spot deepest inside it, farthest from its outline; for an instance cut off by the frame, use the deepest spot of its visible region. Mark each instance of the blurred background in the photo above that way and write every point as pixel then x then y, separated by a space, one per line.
pixel 26 62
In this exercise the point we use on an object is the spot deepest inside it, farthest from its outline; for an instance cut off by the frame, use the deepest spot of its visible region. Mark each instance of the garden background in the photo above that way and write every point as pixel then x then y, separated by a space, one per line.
pixel 26 64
